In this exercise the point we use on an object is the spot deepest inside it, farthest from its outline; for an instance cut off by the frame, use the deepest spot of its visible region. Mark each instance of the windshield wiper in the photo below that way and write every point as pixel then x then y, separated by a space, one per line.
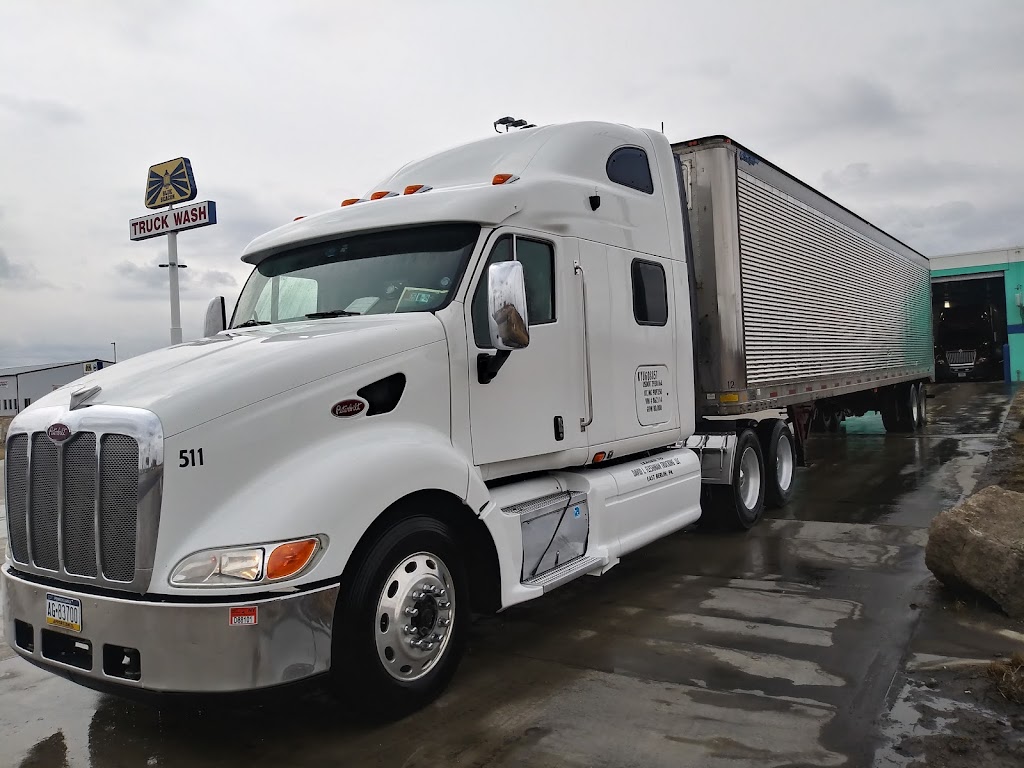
pixel 331 313
pixel 251 323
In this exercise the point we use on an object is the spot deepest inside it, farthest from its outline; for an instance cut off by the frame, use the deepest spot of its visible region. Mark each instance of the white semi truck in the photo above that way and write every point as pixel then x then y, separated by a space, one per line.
pixel 509 365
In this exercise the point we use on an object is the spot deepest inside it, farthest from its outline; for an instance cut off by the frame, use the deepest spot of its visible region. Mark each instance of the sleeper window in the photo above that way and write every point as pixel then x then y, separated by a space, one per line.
pixel 650 294
pixel 628 166
pixel 538 260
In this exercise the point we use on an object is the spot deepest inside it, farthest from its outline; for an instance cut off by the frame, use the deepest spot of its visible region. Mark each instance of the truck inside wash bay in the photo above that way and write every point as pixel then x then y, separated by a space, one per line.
pixel 507 366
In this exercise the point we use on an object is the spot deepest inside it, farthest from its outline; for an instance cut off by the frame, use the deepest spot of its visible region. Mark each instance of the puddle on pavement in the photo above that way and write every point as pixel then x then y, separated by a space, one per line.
pixel 919 713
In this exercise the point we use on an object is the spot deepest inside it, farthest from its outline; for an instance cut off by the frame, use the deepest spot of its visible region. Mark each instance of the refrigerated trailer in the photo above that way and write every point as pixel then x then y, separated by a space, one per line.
pixel 798 299
pixel 507 366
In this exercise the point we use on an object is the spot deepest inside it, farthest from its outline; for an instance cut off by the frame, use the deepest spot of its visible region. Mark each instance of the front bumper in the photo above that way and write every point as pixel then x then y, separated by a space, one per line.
pixel 172 647
pixel 985 370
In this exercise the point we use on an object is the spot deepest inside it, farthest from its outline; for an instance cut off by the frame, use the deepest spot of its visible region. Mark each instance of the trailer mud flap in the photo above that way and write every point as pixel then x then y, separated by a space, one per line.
pixel 800 417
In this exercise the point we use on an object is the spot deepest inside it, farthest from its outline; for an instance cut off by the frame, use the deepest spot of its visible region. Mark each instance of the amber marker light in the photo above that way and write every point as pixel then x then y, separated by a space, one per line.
pixel 290 558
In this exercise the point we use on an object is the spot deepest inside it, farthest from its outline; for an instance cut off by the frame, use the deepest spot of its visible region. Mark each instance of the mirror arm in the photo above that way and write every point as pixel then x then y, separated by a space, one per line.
pixel 487 366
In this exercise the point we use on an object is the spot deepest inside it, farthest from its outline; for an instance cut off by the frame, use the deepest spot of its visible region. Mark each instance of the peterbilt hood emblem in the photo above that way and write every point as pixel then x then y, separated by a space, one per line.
pixel 348 408
pixel 58 432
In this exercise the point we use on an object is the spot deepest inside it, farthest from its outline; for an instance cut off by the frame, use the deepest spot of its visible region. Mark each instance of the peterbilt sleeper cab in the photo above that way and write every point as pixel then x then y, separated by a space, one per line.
pixel 467 388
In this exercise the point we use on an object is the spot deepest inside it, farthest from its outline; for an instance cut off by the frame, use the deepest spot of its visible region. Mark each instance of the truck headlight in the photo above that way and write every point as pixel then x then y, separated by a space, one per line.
pixel 244 566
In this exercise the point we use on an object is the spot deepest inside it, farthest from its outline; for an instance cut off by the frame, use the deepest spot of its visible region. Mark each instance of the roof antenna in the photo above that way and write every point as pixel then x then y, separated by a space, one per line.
pixel 662 126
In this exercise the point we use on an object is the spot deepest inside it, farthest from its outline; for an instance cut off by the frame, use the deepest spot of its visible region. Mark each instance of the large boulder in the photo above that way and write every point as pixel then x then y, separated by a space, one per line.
pixel 980 544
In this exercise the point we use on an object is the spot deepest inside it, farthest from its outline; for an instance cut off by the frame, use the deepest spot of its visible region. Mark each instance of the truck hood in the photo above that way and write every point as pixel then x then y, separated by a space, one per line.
pixel 192 383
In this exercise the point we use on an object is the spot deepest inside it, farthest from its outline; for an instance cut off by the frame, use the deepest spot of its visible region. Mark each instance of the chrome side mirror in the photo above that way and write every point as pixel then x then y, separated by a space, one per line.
pixel 507 319
pixel 216 317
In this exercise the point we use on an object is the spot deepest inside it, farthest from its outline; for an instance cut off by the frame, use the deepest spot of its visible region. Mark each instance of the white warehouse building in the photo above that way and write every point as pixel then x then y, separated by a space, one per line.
pixel 22 386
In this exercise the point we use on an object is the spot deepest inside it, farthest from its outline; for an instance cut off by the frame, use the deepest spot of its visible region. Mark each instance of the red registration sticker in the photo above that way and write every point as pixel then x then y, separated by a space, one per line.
pixel 244 616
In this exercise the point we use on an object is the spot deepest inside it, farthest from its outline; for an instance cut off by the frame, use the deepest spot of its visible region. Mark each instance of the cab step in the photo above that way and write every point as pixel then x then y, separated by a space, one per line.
pixel 566 572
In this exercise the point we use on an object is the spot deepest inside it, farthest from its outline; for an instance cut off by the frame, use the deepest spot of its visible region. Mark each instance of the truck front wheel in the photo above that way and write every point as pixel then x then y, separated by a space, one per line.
pixel 739 506
pixel 400 623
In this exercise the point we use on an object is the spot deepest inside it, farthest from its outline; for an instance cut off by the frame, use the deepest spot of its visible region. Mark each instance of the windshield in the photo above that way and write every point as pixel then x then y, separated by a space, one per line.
pixel 409 270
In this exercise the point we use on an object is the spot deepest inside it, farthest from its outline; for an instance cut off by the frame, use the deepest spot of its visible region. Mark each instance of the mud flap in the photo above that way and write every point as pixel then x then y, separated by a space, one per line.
pixel 800 418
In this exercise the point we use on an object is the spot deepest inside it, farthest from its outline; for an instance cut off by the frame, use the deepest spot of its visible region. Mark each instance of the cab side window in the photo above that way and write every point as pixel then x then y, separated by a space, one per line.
pixel 650 293
pixel 538 260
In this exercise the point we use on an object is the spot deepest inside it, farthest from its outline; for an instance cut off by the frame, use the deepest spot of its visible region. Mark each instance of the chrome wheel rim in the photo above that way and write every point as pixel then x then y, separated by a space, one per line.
pixel 915 406
pixel 415 616
pixel 922 405
pixel 750 478
pixel 784 463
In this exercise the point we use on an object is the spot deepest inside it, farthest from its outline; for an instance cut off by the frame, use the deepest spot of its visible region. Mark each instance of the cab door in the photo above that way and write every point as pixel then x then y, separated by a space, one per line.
pixel 531 408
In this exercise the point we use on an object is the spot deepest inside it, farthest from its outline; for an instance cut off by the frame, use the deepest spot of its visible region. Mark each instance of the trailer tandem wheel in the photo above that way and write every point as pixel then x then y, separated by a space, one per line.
pixel 900 407
pixel 922 404
pixel 738 506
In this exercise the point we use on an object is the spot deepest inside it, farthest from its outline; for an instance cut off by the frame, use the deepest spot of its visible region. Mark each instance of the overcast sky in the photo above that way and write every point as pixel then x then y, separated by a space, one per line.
pixel 911 113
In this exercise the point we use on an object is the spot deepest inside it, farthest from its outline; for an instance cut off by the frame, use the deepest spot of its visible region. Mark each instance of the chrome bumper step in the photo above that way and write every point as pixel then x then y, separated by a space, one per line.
pixel 566 572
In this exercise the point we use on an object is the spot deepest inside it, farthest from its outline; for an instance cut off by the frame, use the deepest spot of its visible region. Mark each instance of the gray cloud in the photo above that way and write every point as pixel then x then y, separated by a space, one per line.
pixel 213 278
pixel 147 277
pixel 37 109
pixel 136 281
pixel 938 207
pixel 917 176
pixel 21 276
pixel 954 226
pixel 10 271
pixel 852 105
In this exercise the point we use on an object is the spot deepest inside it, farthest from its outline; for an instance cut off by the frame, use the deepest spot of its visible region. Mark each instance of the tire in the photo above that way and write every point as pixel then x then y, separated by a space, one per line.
pixel 779 450
pixel 736 507
pixel 922 399
pixel 376 671
pixel 899 408
pixel 912 397
pixel 889 409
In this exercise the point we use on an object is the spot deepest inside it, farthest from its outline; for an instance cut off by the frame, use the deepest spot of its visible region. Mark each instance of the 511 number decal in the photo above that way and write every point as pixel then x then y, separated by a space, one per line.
pixel 190 457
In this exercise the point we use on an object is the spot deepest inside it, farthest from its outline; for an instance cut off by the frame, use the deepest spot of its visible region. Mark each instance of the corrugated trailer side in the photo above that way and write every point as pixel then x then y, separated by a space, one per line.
pixel 798 298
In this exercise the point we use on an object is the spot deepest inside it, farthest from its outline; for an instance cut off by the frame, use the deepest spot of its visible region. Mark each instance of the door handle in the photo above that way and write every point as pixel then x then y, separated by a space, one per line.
pixel 589 419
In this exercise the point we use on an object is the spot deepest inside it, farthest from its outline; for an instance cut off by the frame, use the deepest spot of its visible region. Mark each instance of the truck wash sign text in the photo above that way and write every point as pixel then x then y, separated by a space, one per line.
pixel 175 220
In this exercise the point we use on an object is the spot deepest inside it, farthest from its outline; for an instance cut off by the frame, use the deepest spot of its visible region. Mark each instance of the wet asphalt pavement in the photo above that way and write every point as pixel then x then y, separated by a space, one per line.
pixel 781 647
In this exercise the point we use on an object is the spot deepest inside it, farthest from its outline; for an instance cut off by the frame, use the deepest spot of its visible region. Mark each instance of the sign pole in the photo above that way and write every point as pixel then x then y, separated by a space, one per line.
pixel 172 269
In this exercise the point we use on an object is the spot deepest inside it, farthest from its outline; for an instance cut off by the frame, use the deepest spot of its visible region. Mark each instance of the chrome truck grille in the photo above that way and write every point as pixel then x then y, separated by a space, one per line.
pixel 83 497
pixel 964 357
